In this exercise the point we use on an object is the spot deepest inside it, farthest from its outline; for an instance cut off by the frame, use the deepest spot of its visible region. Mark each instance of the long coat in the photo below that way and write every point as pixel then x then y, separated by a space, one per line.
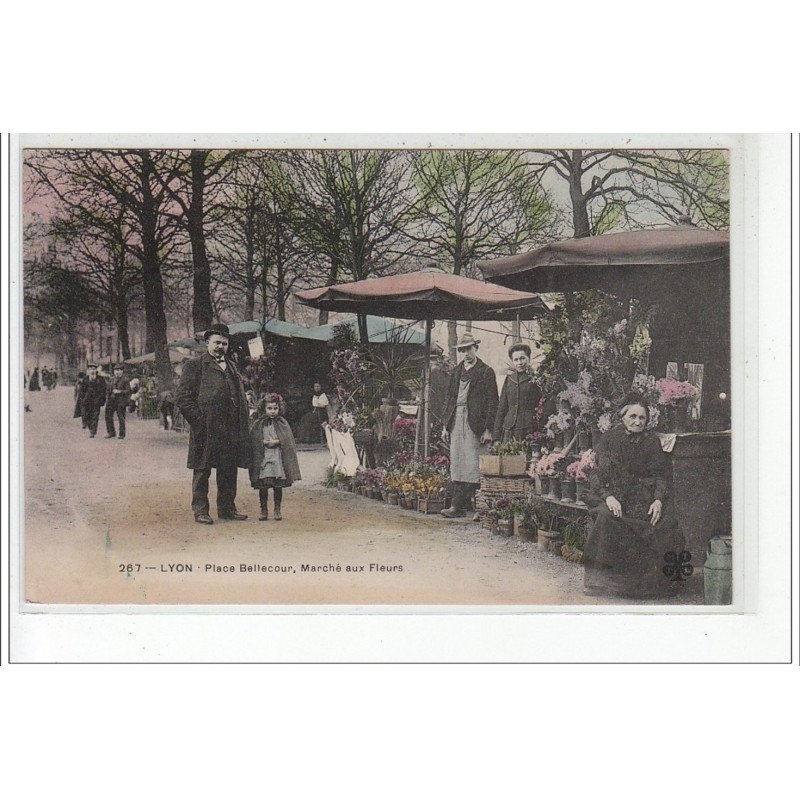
pixel 624 556
pixel 218 434
pixel 481 399
pixel 93 392
pixel 518 402
pixel 288 449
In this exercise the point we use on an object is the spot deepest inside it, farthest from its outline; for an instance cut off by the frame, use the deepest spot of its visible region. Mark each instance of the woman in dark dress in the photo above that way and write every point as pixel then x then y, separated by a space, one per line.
pixel 635 523
pixel 516 412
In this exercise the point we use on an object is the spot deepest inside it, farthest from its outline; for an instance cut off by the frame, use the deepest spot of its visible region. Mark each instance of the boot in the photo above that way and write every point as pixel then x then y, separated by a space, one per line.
pixel 278 497
pixel 263 496
pixel 457 505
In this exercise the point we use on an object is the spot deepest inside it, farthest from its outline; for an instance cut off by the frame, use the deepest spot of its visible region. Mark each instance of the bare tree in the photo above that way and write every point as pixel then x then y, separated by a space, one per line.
pixel 94 181
pixel 474 204
pixel 350 205
pixel 195 182
pixel 99 248
pixel 256 248
pixel 611 189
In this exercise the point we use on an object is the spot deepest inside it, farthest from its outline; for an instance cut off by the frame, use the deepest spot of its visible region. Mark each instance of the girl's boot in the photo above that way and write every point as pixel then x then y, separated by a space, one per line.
pixel 263 496
pixel 278 497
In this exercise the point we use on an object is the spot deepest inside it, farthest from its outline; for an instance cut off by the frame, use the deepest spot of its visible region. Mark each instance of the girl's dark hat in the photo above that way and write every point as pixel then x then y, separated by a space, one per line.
pixel 218 329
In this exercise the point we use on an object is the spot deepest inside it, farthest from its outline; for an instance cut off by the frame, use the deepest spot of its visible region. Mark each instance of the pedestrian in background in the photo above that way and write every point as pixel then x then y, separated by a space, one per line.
pixel 93 399
pixel 119 390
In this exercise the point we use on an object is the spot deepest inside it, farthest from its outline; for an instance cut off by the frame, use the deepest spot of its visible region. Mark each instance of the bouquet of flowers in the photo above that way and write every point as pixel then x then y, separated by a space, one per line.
pixel 559 422
pixel 404 430
pixel 672 391
pixel 504 508
pixel 580 469
pixel 551 465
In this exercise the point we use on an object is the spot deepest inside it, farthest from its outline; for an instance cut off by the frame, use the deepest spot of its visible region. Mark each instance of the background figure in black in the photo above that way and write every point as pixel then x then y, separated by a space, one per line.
pixel 319 402
pixel 33 383
pixel 119 390
pixel 212 400
pixel 77 412
pixel 93 399
pixel 166 408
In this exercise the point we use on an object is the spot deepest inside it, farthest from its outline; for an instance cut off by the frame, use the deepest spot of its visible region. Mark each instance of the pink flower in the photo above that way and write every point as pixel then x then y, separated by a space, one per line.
pixel 671 391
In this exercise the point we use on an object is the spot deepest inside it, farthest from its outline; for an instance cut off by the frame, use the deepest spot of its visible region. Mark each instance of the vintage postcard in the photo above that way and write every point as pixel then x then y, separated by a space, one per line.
pixel 281 375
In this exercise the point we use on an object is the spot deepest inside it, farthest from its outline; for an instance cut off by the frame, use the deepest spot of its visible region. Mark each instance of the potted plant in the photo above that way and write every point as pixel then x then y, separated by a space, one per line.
pixel 491 520
pixel 526 526
pixel 579 470
pixel 674 397
pixel 505 513
pixel 506 458
pixel 566 481
pixel 575 532
pixel 547 469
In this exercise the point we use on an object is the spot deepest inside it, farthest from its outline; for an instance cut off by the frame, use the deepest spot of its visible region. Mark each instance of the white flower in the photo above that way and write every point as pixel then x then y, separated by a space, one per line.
pixel 604 423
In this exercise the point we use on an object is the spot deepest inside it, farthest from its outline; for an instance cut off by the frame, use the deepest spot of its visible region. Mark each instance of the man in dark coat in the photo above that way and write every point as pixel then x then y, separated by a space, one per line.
pixel 470 409
pixel 212 399
pixel 78 411
pixel 93 398
pixel 519 399
pixel 119 391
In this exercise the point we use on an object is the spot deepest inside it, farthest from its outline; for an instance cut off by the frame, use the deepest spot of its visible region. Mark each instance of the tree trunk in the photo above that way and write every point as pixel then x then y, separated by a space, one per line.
pixel 155 318
pixel 363 332
pixel 202 311
pixel 580 212
pixel 333 276
pixel 280 276
pixel 452 340
pixel 122 331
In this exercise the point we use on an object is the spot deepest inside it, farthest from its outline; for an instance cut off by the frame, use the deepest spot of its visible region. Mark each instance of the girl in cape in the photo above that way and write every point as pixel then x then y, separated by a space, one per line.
pixel 273 454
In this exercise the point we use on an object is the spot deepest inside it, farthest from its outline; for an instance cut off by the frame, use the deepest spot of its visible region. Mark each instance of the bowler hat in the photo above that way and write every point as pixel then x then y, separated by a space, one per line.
pixel 467 340
pixel 119 366
pixel 217 329
pixel 91 366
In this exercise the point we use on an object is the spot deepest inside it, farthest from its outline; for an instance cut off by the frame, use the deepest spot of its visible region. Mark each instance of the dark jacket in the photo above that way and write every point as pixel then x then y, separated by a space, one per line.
pixel 481 399
pixel 124 385
pixel 515 413
pixel 215 406
pixel 288 449
pixel 93 393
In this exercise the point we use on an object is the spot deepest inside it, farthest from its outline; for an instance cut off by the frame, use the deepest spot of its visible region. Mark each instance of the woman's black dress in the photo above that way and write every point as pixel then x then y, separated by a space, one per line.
pixel 625 556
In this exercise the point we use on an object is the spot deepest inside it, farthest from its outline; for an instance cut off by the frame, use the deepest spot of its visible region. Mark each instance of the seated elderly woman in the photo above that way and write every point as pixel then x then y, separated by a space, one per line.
pixel 635 524
pixel 516 412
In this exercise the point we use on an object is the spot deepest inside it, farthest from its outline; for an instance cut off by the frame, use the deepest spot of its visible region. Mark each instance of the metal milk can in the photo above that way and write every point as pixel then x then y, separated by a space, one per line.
pixel 718 571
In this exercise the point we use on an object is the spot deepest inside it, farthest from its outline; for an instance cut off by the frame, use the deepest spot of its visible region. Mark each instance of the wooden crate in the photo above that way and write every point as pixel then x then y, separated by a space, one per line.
pixel 503 465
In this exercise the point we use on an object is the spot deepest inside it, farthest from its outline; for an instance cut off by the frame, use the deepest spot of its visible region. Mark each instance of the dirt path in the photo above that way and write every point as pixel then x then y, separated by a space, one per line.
pixel 95 506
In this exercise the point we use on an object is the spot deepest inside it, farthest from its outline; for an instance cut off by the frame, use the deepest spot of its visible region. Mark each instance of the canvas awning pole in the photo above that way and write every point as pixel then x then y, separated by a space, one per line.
pixel 427 391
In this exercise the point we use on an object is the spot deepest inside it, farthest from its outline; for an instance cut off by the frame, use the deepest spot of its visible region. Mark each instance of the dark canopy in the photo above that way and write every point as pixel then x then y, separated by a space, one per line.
pixel 426 295
pixel 630 264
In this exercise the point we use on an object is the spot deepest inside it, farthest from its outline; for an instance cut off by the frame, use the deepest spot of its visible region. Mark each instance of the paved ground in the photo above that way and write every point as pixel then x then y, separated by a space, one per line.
pixel 108 521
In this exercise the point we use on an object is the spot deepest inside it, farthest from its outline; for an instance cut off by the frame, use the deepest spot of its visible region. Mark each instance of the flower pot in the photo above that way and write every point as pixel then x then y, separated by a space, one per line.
pixel 493 527
pixel 505 527
pixel 427 506
pixel 546 538
pixel 526 533
pixel 503 465
pixel 581 487
pixel 392 498
pixel 544 485
pixel 567 490
pixel 555 489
